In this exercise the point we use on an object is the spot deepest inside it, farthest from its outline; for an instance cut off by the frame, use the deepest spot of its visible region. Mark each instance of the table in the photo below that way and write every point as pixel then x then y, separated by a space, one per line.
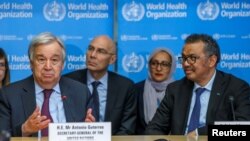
pixel 126 138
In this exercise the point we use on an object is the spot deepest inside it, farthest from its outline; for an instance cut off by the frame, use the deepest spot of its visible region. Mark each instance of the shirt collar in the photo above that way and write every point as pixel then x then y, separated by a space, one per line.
pixel 90 79
pixel 39 89
pixel 209 85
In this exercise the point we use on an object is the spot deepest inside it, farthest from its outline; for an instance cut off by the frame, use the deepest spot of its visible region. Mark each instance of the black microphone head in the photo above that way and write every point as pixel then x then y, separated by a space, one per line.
pixel 231 98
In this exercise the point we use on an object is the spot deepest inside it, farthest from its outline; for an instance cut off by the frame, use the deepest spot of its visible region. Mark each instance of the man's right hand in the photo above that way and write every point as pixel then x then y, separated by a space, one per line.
pixel 34 123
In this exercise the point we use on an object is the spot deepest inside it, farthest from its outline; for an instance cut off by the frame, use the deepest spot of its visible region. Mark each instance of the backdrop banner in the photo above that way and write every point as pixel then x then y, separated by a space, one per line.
pixel 74 21
pixel 140 27
pixel 147 24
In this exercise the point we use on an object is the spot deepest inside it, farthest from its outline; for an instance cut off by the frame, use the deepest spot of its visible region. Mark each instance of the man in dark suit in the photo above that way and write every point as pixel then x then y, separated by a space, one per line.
pixel 117 102
pixel 200 56
pixel 23 111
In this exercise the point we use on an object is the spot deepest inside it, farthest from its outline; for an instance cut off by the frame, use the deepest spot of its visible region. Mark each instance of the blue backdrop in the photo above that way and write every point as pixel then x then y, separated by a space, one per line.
pixel 147 24
pixel 75 21
pixel 138 27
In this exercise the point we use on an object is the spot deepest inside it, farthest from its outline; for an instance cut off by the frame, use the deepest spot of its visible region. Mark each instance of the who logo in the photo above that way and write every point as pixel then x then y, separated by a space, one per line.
pixel 54 11
pixel 133 62
pixel 133 11
pixel 208 10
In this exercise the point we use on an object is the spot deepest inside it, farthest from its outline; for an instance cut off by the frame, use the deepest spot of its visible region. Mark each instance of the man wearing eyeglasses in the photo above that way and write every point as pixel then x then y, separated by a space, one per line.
pixel 203 96
pixel 29 105
pixel 115 93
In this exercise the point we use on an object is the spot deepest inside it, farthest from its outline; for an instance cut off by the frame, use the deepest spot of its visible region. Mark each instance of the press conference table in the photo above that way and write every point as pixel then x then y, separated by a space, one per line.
pixel 126 138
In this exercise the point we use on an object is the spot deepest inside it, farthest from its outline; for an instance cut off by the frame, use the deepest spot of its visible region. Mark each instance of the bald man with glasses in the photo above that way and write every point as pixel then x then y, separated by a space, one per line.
pixel 112 96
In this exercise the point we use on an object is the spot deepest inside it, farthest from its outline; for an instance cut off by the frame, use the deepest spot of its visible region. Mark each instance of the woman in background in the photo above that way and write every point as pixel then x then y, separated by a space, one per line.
pixel 4 69
pixel 151 91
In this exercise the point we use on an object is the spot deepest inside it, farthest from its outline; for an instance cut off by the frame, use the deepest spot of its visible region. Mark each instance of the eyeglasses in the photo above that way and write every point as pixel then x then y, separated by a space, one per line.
pixel 163 65
pixel 42 60
pixel 99 50
pixel 191 59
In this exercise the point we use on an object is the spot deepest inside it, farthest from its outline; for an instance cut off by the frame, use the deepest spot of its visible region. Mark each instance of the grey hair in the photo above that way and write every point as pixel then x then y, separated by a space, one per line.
pixel 43 39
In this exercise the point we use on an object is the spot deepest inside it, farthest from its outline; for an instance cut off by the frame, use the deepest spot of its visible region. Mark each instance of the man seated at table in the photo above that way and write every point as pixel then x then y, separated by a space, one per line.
pixel 28 106
pixel 203 96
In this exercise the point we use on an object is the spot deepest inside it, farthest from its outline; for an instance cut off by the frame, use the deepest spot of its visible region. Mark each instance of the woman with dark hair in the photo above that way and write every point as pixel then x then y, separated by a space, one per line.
pixel 4 69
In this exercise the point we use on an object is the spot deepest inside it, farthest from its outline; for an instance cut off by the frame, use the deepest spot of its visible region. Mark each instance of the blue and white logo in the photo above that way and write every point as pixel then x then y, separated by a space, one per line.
pixel 54 11
pixel 208 10
pixel 133 62
pixel 133 11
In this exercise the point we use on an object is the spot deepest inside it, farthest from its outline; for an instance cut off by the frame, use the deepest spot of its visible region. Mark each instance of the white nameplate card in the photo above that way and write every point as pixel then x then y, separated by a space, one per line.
pixel 80 131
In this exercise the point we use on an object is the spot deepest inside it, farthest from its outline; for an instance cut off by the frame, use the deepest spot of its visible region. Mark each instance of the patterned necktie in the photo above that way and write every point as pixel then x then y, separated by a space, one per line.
pixel 93 101
pixel 195 116
pixel 45 108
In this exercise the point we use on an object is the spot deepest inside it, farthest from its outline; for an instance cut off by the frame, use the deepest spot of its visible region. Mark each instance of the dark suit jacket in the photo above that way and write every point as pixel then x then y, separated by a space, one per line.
pixel 121 101
pixel 18 101
pixel 172 115
pixel 140 120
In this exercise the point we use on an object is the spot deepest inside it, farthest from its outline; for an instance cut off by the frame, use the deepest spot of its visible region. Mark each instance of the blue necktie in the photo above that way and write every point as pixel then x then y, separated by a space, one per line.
pixel 45 109
pixel 195 116
pixel 93 101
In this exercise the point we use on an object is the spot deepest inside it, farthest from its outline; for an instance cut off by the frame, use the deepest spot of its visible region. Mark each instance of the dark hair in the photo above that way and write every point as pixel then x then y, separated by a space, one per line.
pixel 6 79
pixel 211 47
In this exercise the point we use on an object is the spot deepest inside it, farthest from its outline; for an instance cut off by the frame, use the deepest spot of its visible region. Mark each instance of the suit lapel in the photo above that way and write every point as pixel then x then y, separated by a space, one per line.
pixel 186 100
pixel 68 102
pixel 28 97
pixel 216 95
pixel 111 97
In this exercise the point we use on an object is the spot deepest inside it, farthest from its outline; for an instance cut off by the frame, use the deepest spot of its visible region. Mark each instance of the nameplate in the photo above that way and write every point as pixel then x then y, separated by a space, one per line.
pixel 80 131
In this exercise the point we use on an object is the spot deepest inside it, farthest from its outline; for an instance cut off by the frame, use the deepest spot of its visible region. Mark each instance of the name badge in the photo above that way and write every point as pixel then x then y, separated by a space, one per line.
pixel 80 131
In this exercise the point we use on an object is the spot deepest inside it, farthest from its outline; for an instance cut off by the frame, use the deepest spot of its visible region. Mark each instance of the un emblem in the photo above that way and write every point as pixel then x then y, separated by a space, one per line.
pixel 133 11
pixel 208 10
pixel 132 62
pixel 54 11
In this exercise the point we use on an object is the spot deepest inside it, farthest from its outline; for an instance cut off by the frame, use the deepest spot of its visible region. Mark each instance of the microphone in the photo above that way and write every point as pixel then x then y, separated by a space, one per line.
pixel 231 99
pixel 64 97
